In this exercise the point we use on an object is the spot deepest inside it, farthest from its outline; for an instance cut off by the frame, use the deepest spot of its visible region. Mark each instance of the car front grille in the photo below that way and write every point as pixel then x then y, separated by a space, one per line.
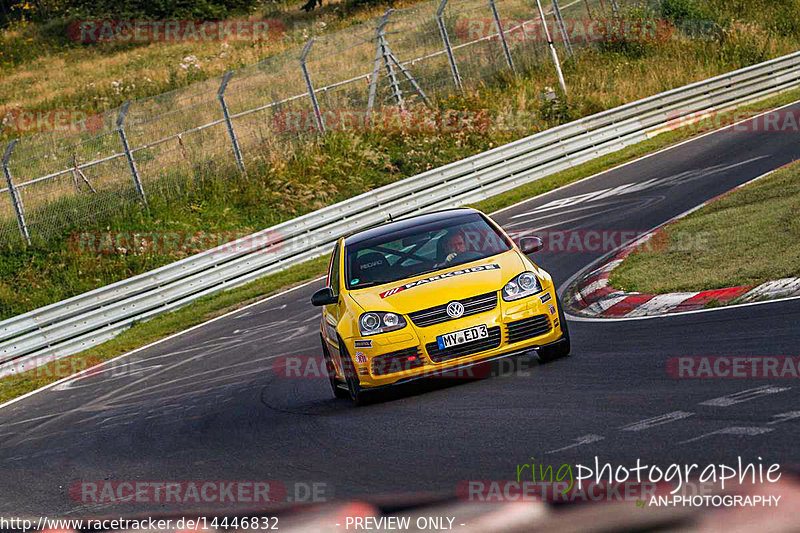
pixel 399 361
pixel 527 328
pixel 438 314
pixel 463 350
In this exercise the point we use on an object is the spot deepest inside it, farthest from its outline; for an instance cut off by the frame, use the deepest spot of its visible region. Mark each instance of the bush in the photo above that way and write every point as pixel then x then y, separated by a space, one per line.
pixel 619 37
pixel 681 11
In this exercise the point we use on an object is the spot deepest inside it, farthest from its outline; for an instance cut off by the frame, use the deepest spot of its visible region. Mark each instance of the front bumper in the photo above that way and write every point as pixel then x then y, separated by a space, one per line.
pixel 514 327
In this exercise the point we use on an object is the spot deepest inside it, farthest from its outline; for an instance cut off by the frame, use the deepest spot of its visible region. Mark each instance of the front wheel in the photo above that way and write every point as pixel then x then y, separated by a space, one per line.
pixel 357 394
pixel 561 347
pixel 330 369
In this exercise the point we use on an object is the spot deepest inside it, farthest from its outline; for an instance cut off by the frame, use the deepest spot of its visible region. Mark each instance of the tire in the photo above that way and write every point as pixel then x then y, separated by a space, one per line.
pixel 560 348
pixel 337 391
pixel 356 394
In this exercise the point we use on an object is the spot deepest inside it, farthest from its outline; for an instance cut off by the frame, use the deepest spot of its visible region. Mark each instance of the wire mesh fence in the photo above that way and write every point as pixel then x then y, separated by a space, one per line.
pixel 406 59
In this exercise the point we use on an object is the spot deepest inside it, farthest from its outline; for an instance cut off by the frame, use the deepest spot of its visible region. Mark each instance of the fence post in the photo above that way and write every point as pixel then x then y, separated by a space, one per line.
pixel 16 201
pixel 552 48
pixel 221 97
pixel 128 155
pixel 502 36
pixel 447 47
pixel 310 86
pixel 394 83
pixel 562 27
pixel 373 79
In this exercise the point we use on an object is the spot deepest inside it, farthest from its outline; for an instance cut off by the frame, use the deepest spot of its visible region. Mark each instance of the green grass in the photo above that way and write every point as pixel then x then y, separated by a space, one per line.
pixel 41 68
pixel 209 307
pixel 748 237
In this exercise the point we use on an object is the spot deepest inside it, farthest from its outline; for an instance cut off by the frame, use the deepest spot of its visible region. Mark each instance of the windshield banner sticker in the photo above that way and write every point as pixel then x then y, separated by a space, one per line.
pixel 470 270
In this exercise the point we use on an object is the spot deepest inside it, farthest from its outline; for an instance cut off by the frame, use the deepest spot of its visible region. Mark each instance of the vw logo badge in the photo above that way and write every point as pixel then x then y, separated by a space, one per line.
pixel 455 309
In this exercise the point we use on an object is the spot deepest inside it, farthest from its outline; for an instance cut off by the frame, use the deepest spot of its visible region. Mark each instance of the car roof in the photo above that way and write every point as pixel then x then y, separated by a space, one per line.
pixel 405 223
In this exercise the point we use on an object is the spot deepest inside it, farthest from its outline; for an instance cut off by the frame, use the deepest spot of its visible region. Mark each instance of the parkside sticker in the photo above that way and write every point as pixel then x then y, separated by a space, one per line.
pixel 446 275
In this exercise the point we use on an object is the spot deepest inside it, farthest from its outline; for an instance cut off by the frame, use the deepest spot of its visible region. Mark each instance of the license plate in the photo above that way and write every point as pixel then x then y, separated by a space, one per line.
pixel 462 337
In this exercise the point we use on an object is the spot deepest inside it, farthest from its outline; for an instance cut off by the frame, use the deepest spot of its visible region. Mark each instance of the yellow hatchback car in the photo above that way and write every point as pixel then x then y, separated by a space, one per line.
pixel 432 294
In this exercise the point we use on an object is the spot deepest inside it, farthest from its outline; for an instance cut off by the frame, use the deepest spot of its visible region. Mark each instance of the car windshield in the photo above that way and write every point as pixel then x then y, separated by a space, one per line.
pixel 422 249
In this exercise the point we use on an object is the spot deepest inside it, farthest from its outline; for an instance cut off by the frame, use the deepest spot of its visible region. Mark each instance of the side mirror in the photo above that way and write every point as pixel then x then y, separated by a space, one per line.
pixel 529 245
pixel 324 296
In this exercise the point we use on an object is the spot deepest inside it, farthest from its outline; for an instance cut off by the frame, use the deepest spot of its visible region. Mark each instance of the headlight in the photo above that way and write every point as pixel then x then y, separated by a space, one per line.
pixel 526 284
pixel 378 322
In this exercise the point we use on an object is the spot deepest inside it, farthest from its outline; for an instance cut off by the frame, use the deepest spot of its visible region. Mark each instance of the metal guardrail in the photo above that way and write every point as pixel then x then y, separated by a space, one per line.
pixel 91 318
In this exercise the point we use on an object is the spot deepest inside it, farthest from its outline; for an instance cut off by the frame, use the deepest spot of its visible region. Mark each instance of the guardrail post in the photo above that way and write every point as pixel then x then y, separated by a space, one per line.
pixel 228 122
pixel 310 86
pixel 123 112
pixel 16 201
pixel 447 47
pixel 502 36
pixel 562 27
pixel 553 52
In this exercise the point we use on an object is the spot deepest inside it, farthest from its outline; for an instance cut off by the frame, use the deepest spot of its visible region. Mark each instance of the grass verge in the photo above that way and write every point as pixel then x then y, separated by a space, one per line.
pixel 747 237
pixel 43 68
pixel 215 305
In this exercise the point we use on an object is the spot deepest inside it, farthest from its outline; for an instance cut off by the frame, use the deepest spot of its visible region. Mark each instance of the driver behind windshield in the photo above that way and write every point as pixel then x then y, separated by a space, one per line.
pixel 455 243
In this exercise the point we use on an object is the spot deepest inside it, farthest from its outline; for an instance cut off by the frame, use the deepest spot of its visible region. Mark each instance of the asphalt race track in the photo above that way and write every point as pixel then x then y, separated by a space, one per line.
pixel 209 404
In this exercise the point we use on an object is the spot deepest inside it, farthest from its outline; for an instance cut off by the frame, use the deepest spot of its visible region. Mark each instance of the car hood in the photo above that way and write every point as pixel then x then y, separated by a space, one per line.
pixel 436 288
